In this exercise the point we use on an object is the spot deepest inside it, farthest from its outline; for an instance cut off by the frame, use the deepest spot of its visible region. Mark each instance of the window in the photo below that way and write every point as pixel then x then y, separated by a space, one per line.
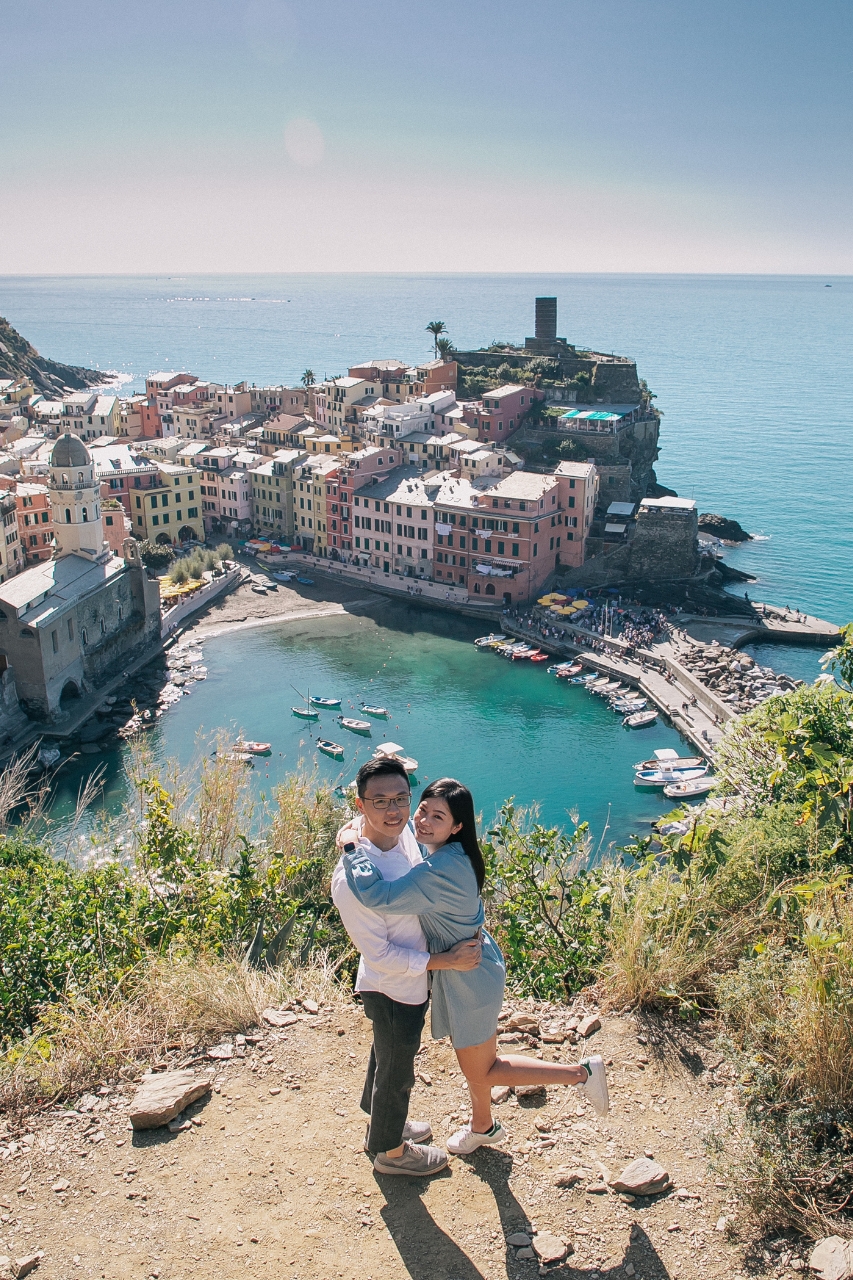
pixel 108 520
pixel 67 516
pixel 571 502
pixel 571 484
pixel 54 635
pixel 536 549
pixel 155 519
pixel 84 635
pixel 515 548
pixel 500 548
pixel 103 627
pixel 70 626
pixel 45 517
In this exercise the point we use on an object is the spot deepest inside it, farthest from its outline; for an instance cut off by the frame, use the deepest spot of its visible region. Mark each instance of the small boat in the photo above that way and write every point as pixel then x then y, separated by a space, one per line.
pixel 526 652
pixel 666 758
pixel 659 778
pixel 240 757
pixel 284 577
pixel 567 670
pixel 305 713
pixel 332 749
pixel 394 751
pixel 684 790
pixel 640 719
pixel 627 706
pixel 539 657
pixel 258 589
pixel 307 582
pixel 355 726
pixel 606 689
pixel 486 642
pixel 380 712
pixel 254 748
pixel 324 702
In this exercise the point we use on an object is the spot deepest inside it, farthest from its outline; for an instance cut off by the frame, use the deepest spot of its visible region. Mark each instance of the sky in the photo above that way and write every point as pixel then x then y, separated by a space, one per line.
pixel 401 135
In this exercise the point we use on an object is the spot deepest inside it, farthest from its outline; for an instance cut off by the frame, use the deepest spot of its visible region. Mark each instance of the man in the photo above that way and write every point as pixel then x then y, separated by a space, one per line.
pixel 393 974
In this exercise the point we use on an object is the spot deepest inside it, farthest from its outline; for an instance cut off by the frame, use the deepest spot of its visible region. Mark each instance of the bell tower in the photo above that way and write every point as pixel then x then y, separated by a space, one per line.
pixel 75 500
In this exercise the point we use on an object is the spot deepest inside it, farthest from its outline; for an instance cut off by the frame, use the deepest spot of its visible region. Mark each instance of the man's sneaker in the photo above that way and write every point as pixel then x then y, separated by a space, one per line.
pixel 413 1131
pixel 465 1140
pixel 595 1085
pixel 417 1162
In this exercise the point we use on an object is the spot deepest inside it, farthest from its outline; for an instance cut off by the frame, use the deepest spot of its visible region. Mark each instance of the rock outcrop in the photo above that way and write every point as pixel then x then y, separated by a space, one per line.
pixel 19 359
pixel 724 528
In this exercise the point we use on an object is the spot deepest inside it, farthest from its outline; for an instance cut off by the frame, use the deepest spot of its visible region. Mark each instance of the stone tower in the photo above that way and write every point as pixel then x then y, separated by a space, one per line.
pixel 75 500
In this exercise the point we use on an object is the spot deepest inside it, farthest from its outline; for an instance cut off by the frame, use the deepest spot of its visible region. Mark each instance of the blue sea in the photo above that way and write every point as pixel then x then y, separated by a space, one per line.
pixel 753 377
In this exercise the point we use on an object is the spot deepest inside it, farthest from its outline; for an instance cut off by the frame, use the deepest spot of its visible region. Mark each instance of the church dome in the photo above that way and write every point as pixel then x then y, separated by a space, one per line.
pixel 70 451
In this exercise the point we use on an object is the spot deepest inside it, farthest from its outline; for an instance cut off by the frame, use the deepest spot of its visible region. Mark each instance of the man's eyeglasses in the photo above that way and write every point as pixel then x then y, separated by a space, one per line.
pixel 390 802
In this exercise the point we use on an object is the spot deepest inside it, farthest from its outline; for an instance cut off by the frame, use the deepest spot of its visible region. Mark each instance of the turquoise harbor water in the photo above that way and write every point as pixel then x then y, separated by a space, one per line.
pixel 505 728
pixel 752 375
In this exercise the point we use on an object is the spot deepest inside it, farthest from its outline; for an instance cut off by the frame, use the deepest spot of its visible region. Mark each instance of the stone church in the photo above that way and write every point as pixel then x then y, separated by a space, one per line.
pixel 70 623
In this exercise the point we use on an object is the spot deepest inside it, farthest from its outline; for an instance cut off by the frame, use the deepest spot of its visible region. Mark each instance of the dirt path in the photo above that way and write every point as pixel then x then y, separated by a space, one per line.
pixel 270 1178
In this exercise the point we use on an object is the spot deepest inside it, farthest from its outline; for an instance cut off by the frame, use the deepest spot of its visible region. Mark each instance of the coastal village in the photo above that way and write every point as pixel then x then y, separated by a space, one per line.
pixel 475 481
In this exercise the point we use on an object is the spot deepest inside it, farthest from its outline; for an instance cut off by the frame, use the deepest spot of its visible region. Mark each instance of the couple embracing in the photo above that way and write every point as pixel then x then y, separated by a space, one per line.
pixel 408 892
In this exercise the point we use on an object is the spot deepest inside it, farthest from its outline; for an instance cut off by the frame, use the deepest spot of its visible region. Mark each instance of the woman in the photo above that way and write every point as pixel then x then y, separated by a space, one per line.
pixel 444 891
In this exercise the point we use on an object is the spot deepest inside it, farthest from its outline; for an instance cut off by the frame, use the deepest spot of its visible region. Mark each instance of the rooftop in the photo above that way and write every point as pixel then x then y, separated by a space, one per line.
pixel 523 485
pixel 38 594
pixel 668 504
pixel 581 470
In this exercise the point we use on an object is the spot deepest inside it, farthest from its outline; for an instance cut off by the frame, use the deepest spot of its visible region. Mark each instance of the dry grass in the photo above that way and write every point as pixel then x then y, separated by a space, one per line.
pixel 668 943
pixel 175 1005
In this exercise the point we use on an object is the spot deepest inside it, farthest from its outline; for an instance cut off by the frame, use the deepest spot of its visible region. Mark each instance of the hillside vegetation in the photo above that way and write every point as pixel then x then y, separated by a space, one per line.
pixel 179 921
pixel 18 358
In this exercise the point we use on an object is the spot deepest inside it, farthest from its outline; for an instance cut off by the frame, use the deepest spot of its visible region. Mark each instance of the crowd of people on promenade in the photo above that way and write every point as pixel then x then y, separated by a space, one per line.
pixel 637 626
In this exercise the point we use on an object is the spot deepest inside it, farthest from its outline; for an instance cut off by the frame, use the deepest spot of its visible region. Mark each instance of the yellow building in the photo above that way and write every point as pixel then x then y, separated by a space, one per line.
pixel 168 508
pixel 272 494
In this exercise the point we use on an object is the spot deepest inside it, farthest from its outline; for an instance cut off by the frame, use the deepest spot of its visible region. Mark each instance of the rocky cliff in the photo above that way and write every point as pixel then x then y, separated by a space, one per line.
pixel 19 359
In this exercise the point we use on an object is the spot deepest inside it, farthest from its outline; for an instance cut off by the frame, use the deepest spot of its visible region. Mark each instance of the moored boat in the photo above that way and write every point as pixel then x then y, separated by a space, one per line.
pixel 241 757
pixel 628 706
pixel 253 748
pixel 685 790
pixel 355 726
pixel 324 702
pixel 308 582
pixel 393 750
pixel 333 749
pixel 305 713
pixel 666 758
pixel 486 642
pixel 640 719
pixel 660 778
pixel 381 713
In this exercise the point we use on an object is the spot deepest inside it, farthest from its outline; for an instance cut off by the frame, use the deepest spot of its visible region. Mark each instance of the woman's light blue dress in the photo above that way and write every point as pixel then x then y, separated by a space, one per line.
pixel 442 891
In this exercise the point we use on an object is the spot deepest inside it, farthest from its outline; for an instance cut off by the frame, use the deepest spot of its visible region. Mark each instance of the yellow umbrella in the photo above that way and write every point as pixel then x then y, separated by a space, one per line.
pixel 581 604
pixel 544 600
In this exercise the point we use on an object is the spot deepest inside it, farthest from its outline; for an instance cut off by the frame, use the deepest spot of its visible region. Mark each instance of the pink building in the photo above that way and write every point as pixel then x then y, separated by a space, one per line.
pixel 500 412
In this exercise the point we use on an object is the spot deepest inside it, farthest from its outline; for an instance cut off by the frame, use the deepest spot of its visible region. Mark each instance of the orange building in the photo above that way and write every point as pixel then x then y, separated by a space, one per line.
pixel 35 521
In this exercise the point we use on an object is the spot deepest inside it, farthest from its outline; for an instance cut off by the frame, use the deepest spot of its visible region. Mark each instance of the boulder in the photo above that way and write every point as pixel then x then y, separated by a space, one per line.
pixel 23 1266
pixel 832 1258
pixel 522 1022
pixel 280 1018
pixel 531 1091
pixel 161 1097
pixel 587 1026
pixel 501 1093
pixel 518 1240
pixel 549 1249
pixel 642 1177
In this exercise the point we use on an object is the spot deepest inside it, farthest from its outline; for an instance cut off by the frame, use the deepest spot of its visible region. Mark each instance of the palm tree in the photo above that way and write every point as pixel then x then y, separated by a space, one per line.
pixel 444 347
pixel 436 328
pixel 308 378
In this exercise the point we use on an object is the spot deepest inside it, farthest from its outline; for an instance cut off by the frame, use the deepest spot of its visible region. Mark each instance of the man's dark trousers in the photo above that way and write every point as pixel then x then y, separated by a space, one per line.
pixel 391 1070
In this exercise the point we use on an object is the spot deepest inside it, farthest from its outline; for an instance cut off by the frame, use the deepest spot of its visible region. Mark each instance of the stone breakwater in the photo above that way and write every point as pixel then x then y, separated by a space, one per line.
pixel 734 677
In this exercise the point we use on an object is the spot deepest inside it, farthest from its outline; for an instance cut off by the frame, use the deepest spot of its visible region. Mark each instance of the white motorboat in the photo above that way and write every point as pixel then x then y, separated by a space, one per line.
pixel 666 758
pixel 486 642
pixel 687 790
pixel 640 719
pixel 393 751
pixel 659 778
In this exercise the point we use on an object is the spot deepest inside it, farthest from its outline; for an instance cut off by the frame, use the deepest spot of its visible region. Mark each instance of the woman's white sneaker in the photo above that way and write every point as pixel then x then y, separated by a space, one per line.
pixel 595 1085
pixel 465 1140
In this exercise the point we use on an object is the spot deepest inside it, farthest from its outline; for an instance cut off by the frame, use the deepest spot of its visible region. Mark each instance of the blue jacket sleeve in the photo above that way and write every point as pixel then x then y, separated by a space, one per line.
pixel 413 894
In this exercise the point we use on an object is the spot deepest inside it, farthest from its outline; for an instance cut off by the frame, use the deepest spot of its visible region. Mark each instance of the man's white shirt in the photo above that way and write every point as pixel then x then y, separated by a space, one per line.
pixel 394 953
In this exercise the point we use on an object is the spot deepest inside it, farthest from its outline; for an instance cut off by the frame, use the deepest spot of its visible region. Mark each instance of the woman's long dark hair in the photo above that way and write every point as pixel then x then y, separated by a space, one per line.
pixel 460 802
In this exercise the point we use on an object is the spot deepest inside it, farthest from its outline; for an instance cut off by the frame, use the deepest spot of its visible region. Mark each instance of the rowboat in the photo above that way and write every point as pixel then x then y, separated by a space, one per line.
pixel 324 702
pixel 355 726
pixel 284 577
pixel 684 790
pixel 332 749
pixel 539 657
pixel 254 748
pixel 486 642
pixel 654 778
pixel 308 582
pixel 640 719
pixel 305 713
pixel 527 652
pixel 379 712
pixel 666 758
pixel 608 690
pixel 628 706
pixel 258 589
pixel 393 751
pixel 240 757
